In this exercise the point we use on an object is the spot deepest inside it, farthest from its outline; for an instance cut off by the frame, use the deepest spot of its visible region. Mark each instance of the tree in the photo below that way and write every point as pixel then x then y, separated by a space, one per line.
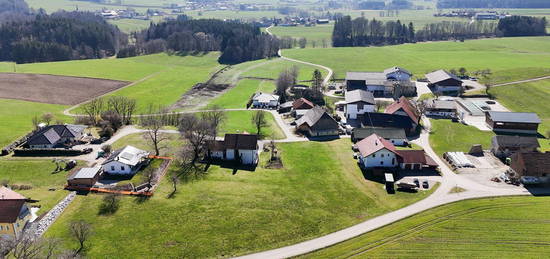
pixel 106 148
pixel 112 119
pixel 259 120
pixel 197 131
pixel 81 231
pixel 110 204
pixel 93 109
pixel 283 83
pixel 216 116
pixel 302 42
pixel 26 247
pixel 317 81
pixel 35 122
pixel 124 106
pixel 462 71
pixel 153 123
pixel 174 179
pixel 47 118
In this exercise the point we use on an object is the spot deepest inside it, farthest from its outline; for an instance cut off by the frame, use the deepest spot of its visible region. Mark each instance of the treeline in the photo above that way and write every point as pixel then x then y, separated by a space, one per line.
pixel 362 32
pixel 237 41
pixel 522 26
pixel 59 36
pixel 442 4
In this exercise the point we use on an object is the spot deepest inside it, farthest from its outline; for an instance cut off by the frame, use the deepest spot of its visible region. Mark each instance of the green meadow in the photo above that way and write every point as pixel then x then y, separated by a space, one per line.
pixel 238 96
pixel 503 56
pixel 446 136
pixel 508 227
pixel 226 214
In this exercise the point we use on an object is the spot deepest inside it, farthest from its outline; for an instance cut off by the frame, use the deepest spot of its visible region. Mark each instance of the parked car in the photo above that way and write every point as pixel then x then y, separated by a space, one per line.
pixel 529 180
pixel 87 150
pixel 425 184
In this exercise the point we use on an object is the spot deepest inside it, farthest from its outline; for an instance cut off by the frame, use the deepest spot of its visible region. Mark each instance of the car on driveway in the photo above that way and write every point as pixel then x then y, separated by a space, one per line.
pixel 417 182
pixel 425 184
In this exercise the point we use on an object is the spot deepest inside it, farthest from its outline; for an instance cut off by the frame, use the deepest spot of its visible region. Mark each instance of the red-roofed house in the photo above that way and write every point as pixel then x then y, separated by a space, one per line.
pixel 404 107
pixel 302 104
pixel 14 213
pixel 376 152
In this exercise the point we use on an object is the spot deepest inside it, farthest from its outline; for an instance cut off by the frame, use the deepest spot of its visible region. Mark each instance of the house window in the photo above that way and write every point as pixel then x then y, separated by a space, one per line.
pixel 393 161
pixel 381 162
pixel 382 155
pixel 373 155
pixel 112 168
pixel 122 168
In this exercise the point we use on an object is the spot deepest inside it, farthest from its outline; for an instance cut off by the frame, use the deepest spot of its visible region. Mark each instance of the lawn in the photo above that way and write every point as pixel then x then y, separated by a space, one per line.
pixel 238 96
pixel 529 97
pixel 274 68
pixel 313 34
pixel 502 56
pixel 511 227
pixel 241 121
pixel 16 117
pixel 170 147
pixel 38 174
pixel 229 214
pixel 448 136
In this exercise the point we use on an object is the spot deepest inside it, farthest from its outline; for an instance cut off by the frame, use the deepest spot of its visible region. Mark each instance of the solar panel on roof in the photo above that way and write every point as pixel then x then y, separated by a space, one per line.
pixel 127 156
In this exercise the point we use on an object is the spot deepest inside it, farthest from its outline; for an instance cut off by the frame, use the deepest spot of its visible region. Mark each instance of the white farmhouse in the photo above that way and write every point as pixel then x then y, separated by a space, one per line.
pixel 242 148
pixel 375 151
pixel 265 101
pixel 125 161
pixel 358 102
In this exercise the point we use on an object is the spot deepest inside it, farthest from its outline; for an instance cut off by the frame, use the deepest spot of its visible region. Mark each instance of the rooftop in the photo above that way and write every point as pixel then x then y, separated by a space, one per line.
pixel 440 75
pixel 518 117
pixel 359 96
pixel 85 173
pixel 129 155
pixel 373 144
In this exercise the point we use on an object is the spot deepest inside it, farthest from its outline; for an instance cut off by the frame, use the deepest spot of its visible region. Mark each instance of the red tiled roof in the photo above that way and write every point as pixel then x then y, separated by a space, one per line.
pixel 373 144
pixel 416 157
pixel 8 194
pixel 405 104
pixel 302 103
pixel 10 205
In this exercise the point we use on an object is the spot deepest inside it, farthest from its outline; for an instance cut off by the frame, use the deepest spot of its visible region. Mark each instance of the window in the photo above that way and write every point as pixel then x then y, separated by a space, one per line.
pixel 112 168
pixel 393 161
pixel 382 155
pixel 373 155
pixel 381 162
pixel 122 168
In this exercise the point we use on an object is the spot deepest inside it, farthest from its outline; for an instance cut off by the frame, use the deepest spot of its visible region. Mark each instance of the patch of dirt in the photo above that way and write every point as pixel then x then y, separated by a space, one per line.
pixel 53 89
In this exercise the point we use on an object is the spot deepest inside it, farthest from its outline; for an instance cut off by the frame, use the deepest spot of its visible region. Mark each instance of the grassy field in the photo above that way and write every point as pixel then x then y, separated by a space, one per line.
pixel 224 214
pixel 238 96
pixel 241 121
pixel 501 55
pixel 16 117
pixel 512 227
pixel 448 136
pixel 169 147
pixel 272 70
pixel 36 173
pixel 313 34
pixel 529 97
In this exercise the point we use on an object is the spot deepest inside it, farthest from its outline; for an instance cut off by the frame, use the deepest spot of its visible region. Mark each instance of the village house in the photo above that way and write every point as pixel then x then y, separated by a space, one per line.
pixel 53 136
pixel 532 164
pixel 265 101
pixel 126 161
pixel 444 83
pixel 242 148
pixel 503 146
pixel 404 107
pixel 358 102
pixel 317 122
pixel 85 177
pixel 14 213
pixel 388 83
pixel 300 107
pixel 396 136
pixel 440 108
pixel 386 120
pixel 513 122
pixel 377 152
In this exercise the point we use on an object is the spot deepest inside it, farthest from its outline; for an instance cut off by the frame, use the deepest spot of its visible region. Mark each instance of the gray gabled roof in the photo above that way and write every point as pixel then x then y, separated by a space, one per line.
pixel 311 117
pixel 505 141
pixel 359 96
pixel 85 173
pixel 440 75
pixel 397 69
pixel 387 133
pixel 519 117
pixel 51 134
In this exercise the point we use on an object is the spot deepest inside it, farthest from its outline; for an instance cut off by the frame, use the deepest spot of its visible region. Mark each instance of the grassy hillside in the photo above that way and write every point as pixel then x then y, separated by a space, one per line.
pixel 503 56
pixel 511 227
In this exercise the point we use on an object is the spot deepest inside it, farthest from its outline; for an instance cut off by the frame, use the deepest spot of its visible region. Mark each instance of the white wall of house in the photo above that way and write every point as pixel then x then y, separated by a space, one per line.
pixel 248 157
pixel 116 167
pixel 271 104
pixel 230 154
pixel 352 110
pixel 216 154
pixel 398 142
pixel 444 88
pixel 382 158
pixel 374 88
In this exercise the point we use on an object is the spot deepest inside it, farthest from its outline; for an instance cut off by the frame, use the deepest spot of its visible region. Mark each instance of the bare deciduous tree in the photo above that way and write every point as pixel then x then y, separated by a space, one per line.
pixel 81 231
pixel 124 106
pixel 26 247
pixel 93 109
pixel 154 124
pixel 259 120
pixel 47 118
pixel 197 132
pixel 216 116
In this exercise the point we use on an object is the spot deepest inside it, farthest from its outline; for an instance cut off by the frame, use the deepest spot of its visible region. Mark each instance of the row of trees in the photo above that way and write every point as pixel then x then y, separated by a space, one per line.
pixel 447 30
pixel 522 26
pixel 59 36
pixel 237 41
pixel 109 113
pixel 364 32
pixel 443 4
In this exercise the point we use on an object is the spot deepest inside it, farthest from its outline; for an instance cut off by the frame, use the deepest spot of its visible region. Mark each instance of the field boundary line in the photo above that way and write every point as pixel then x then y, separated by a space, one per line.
pixel 523 81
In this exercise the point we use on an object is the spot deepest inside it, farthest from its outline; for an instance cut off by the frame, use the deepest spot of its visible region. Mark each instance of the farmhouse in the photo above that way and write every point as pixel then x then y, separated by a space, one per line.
pixel 85 177
pixel 357 103
pixel 385 120
pixel 126 161
pixel 300 107
pixel 444 83
pixel 377 152
pixel 53 136
pixel 394 135
pixel 381 84
pixel 504 146
pixel 440 108
pixel 242 148
pixel 404 107
pixel 513 122
pixel 265 101
pixel 14 213
pixel 317 122
pixel 532 164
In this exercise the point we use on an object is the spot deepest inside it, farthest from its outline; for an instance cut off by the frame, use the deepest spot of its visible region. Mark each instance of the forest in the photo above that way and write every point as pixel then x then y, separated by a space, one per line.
pixel 364 32
pixel 238 42
pixel 493 4
pixel 59 36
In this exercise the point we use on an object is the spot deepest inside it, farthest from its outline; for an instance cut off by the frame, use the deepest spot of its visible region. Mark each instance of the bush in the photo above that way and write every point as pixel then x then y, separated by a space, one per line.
pixel 107 148
pixel 110 204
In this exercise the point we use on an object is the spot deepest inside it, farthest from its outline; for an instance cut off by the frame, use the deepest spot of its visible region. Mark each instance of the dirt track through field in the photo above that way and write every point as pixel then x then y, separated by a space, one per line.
pixel 53 89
